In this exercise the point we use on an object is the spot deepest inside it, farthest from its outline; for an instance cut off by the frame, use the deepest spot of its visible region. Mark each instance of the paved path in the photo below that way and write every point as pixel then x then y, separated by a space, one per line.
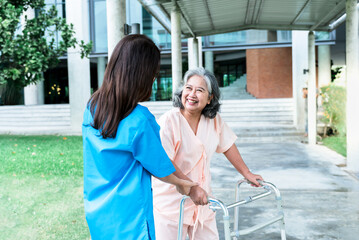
pixel 320 200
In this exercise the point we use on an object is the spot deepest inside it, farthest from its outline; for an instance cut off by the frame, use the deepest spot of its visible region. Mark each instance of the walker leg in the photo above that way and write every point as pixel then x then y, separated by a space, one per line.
pixel 227 230
pixel 236 209
pixel 282 230
pixel 180 222
pixel 281 223
pixel 278 198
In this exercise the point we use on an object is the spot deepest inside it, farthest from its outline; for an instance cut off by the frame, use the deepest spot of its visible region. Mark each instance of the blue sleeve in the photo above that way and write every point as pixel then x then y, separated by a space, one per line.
pixel 148 150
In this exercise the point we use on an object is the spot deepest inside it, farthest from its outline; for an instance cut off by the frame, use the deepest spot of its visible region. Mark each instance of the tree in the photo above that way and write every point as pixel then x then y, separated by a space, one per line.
pixel 26 54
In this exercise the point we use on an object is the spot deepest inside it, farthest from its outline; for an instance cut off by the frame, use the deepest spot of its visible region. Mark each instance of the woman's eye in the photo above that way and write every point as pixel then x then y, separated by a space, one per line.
pixel 199 90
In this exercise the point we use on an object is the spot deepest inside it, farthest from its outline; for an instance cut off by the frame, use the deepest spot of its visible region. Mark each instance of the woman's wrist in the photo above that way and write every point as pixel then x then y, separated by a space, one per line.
pixel 246 173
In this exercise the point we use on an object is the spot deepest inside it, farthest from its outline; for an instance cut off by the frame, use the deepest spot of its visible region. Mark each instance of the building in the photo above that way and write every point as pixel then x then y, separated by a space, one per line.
pixel 224 54
pixel 274 60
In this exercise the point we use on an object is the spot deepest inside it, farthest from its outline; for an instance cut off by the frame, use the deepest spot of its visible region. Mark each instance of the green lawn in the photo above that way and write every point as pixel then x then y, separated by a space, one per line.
pixel 336 143
pixel 41 193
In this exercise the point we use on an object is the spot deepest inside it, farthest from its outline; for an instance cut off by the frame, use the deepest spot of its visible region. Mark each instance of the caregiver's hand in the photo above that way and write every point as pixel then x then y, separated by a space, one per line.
pixel 183 186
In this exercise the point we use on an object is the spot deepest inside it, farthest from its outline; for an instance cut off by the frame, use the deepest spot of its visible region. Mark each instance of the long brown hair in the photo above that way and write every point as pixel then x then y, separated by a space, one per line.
pixel 128 79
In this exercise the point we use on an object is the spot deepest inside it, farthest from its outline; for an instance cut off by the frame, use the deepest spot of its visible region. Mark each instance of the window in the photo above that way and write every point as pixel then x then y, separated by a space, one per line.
pixel 61 12
pixel 98 25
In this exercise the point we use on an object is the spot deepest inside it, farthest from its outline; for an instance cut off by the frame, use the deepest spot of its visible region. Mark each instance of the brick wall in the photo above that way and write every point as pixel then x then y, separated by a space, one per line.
pixel 269 72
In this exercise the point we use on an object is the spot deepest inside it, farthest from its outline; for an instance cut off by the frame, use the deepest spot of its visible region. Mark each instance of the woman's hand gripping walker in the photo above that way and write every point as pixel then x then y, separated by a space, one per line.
pixel 216 204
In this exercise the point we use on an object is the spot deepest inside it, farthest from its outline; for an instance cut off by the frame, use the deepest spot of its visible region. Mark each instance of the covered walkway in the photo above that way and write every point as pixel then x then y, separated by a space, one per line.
pixel 193 19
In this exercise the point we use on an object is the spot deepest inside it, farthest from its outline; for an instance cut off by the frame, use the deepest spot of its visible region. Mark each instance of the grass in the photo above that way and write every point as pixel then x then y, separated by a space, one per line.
pixel 41 193
pixel 336 143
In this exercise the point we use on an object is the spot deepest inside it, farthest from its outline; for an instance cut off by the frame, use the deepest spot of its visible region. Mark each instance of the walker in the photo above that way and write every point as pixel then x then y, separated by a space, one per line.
pixel 216 204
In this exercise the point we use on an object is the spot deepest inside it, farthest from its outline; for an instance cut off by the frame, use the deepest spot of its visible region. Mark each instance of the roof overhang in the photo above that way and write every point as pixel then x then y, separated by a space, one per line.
pixel 207 17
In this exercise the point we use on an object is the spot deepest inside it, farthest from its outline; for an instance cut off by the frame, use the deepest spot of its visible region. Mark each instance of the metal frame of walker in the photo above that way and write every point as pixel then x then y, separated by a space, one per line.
pixel 216 204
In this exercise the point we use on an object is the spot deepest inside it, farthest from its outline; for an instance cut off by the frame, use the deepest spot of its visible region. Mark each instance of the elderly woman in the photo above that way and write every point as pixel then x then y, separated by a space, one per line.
pixel 190 134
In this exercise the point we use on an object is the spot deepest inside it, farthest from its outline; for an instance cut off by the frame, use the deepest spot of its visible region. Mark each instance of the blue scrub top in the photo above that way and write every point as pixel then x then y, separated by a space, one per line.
pixel 117 176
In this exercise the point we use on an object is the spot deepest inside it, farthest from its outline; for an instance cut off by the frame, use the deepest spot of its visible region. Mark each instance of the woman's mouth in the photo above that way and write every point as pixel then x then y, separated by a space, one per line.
pixel 191 101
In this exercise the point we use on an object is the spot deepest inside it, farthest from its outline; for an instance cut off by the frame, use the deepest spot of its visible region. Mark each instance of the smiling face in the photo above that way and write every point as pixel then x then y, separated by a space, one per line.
pixel 195 95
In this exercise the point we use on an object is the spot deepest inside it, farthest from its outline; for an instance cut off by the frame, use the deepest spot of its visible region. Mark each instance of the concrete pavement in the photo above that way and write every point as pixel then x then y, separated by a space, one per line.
pixel 320 199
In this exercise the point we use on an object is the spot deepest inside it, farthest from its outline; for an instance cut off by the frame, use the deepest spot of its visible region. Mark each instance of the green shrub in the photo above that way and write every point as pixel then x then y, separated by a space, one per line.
pixel 334 104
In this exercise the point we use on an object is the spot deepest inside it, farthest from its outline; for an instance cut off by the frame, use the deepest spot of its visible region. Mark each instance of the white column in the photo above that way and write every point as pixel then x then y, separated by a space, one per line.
pixel 193 61
pixel 176 52
pixel 101 66
pixel 324 74
pixel 33 93
pixel 352 73
pixel 116 19
pixel 209 61
pixel 200 54
pixel 190 52
pixel 312 105
pixel 299 77
pixel 77 13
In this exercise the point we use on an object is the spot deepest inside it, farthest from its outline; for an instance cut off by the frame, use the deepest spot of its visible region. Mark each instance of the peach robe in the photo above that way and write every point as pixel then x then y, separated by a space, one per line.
pixel 192 154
